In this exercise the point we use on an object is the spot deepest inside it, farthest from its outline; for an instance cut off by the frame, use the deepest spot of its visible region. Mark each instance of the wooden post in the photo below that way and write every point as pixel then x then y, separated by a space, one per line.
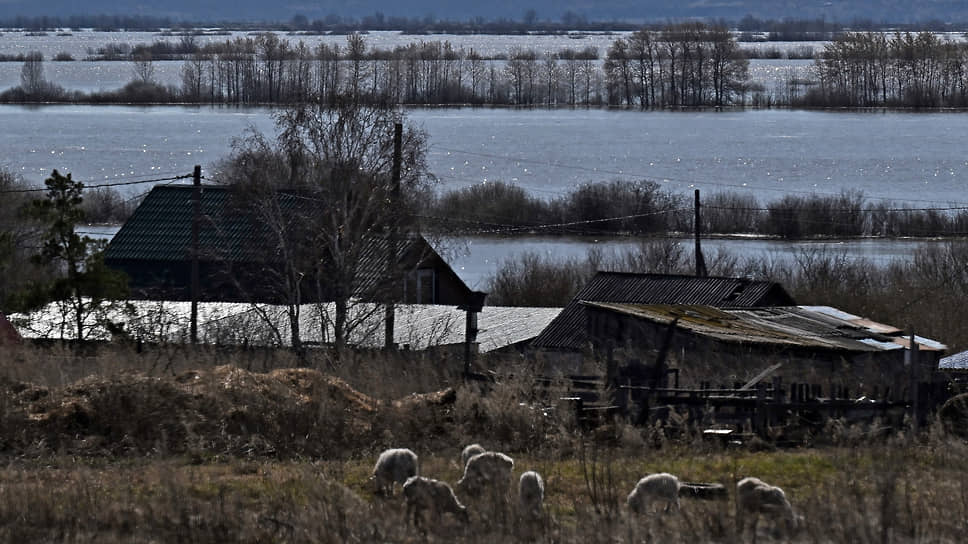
pixel 760 415
pixel 697 224
pixel 392 237
pixel 912 354
pixel 196 219
pixel 472 307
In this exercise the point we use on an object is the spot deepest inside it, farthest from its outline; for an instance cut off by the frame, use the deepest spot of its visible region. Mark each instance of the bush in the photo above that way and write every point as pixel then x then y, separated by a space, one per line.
pixel 630 207
pixel 730 212
pixel 106 205
pixel 531 280
pixel 490 205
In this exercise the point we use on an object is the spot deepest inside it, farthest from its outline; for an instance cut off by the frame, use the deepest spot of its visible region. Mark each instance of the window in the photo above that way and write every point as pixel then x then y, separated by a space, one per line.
pixel 426 286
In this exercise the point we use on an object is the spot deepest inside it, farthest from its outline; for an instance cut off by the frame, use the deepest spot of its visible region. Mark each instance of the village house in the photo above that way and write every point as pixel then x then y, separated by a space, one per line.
pixel 239 305
pixel 239 260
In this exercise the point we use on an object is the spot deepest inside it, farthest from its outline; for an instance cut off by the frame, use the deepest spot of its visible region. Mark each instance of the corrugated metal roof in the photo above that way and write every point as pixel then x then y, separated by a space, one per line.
pixel 800 326
pixel 958 361
pixel 160 229
pixel 568 331
pixel 418 325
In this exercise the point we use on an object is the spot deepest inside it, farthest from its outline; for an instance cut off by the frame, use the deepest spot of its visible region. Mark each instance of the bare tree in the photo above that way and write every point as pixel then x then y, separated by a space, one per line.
pixel 336 161
pixel 144 68
pixel 32 74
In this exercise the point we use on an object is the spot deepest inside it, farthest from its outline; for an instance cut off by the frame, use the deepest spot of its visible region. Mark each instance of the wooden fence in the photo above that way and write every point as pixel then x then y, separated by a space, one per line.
pixel 767 408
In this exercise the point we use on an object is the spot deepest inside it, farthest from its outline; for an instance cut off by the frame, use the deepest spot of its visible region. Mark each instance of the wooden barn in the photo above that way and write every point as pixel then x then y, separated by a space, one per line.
pixel 701 346
pixel 238 262
pixel 565 341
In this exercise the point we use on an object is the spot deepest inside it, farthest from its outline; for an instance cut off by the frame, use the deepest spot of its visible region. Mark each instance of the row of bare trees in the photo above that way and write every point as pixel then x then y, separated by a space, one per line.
pixel 865 69
pixel 689 64
pixel 266 69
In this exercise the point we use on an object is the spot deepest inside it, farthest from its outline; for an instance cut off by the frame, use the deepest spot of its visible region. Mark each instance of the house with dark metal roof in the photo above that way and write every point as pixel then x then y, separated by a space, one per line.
pixel 568 332
pixel 239 262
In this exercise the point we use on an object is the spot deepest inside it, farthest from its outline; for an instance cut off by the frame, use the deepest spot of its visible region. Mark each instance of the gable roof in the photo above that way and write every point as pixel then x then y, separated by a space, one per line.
pixel 568 330
pixel 160 230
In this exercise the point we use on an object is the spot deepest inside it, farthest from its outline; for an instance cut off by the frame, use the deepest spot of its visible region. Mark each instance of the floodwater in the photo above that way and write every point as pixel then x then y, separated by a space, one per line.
pixel 905 158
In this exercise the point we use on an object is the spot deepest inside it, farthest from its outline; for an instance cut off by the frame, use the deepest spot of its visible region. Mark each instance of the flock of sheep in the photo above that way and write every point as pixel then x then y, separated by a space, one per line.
pixel 487 474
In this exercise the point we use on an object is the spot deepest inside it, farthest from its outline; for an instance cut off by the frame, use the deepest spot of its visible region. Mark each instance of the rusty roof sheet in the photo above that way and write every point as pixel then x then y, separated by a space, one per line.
pixel 568 330
pixel 801 326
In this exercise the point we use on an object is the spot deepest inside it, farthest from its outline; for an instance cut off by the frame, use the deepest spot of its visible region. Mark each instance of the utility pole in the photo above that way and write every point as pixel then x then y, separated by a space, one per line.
pixel 196 219
pixel 700 261
pixel 912 356
pixel 392 236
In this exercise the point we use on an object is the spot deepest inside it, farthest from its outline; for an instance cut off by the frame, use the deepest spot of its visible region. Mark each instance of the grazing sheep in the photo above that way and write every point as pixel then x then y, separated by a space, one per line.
pixel 755 497
pixel 660 487
pixel 530 493
pixel 489 471
pixel 433 496
pixel 470 451
pixel 393 466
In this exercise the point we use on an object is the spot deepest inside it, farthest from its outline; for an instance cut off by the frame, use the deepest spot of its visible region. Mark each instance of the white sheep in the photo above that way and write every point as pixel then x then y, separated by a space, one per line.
pixel 470 451
pixel 489 471
pixel 393 466
pixel 755 497
pixel 659 487
pixel 530 493
pixel 426 495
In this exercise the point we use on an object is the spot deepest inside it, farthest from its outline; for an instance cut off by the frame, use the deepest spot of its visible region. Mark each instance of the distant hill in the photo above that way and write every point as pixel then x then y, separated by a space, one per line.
pixel 890 11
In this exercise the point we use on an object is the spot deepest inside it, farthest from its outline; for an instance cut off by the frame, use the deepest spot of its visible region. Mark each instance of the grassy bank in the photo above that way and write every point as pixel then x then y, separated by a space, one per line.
pixel 174 445
pixel 872 493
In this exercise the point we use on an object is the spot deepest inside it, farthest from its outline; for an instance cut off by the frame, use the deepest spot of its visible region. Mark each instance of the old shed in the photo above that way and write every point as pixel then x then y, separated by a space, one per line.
pixel 565 340
pixel 708 346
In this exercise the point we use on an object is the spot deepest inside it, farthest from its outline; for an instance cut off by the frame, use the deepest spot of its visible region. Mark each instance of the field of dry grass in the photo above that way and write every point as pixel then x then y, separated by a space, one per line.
pixel 213 447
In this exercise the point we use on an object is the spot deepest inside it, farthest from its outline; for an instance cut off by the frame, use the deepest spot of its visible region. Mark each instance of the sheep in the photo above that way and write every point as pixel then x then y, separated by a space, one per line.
pixel 487 471
pixel 662 487
pixel 433 496
pixel 393 466
pixel 755 497
pixel 530 493
pixel 470 451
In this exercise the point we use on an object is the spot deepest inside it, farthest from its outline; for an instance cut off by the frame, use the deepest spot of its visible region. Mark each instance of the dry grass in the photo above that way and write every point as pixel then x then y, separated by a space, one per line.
pixel 876 494
pixel 225 454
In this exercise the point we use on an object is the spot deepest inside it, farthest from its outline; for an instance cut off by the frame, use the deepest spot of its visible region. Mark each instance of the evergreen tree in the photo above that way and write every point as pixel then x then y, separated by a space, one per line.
pixel 83 284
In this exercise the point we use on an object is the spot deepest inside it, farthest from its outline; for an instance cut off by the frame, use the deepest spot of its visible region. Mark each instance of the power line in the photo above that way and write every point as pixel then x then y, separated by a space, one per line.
pixel 99 186
pixel 510 229
pixel 792 209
